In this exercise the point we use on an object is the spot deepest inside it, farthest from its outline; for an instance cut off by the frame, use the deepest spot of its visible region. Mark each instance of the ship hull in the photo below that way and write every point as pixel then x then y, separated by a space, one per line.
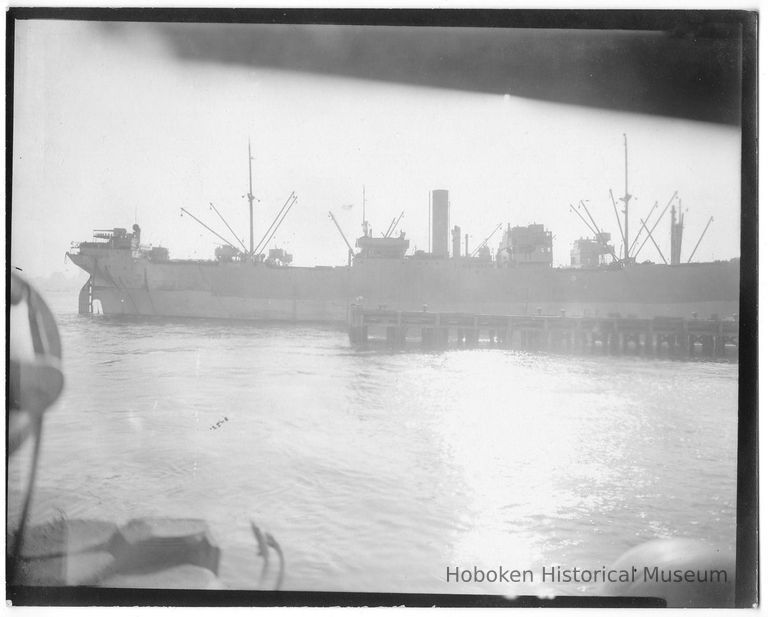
pixel 125 285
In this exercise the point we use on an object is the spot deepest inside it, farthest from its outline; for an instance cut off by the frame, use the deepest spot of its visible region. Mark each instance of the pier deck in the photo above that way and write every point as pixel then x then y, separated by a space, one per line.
pixel 677 337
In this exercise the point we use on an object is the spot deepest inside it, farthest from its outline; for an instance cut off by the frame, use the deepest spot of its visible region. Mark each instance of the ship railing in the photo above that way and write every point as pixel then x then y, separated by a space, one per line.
pixel 95 243
pixel 103 235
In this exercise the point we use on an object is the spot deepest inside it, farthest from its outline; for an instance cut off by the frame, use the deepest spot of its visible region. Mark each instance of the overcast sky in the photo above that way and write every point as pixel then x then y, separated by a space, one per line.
pixel 110 128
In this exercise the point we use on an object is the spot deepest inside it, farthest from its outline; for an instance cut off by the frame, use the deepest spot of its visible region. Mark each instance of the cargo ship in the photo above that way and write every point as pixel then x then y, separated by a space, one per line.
pixel 128 278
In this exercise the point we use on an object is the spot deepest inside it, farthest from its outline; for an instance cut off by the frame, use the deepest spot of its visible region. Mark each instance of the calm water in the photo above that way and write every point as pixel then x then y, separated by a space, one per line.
pixel 376 471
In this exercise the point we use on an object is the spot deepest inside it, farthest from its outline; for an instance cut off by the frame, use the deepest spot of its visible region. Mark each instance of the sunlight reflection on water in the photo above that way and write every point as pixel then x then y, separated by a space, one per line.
pixel 378 471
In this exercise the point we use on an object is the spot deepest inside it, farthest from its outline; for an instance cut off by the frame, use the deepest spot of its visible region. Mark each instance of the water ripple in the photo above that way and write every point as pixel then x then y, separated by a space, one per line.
pixel 377 470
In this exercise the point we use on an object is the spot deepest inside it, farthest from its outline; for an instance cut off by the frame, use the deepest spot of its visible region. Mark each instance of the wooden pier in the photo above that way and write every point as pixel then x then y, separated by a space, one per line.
pixel 669 336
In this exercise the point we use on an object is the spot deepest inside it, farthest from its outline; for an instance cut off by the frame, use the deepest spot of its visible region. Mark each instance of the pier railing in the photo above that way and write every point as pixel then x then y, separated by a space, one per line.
pixel 674 336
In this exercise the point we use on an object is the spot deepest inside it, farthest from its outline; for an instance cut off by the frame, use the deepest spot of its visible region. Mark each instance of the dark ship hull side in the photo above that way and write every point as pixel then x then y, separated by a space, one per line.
pixel 125 285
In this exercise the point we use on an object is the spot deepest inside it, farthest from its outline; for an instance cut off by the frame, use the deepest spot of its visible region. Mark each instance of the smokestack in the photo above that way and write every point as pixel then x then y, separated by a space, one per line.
pixel 441 220
pixel 676 240
pixel 456 236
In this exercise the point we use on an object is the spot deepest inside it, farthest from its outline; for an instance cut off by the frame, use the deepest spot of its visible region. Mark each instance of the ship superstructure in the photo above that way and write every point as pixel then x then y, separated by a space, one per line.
pixel 127 278
pixel 526 246
pixel 592 252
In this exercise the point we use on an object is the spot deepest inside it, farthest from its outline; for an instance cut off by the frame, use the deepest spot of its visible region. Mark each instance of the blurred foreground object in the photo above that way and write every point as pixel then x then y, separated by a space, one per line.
pixel 676 65
pixel 683 572
pixel 35 382
pixel 35 377
pixel 156 553
pixel 161 553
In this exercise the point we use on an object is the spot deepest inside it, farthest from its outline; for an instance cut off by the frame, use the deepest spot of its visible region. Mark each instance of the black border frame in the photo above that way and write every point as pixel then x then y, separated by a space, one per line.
pixel 747 532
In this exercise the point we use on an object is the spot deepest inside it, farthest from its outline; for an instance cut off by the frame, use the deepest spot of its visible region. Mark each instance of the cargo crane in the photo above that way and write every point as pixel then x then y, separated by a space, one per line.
pixel 676 233
pixel 228 227
pixel 349 246
pixel 628 258
pixel 643 222
pixel 631 251
pixel 230 251
pixel 275 225
pixel 651 230
pixel 234 251
pixel 393 225
pixel 711 218
pixel 485 242
pixel 601 238
pixel 278 254
pixel 650 235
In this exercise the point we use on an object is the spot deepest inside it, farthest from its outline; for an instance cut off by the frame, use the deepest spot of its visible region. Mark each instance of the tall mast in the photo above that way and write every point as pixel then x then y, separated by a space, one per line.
pixel 626 201
pixel 250 194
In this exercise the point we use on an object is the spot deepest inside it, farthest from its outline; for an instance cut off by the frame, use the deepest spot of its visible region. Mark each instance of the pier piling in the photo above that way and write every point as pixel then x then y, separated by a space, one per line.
pixel 614 335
